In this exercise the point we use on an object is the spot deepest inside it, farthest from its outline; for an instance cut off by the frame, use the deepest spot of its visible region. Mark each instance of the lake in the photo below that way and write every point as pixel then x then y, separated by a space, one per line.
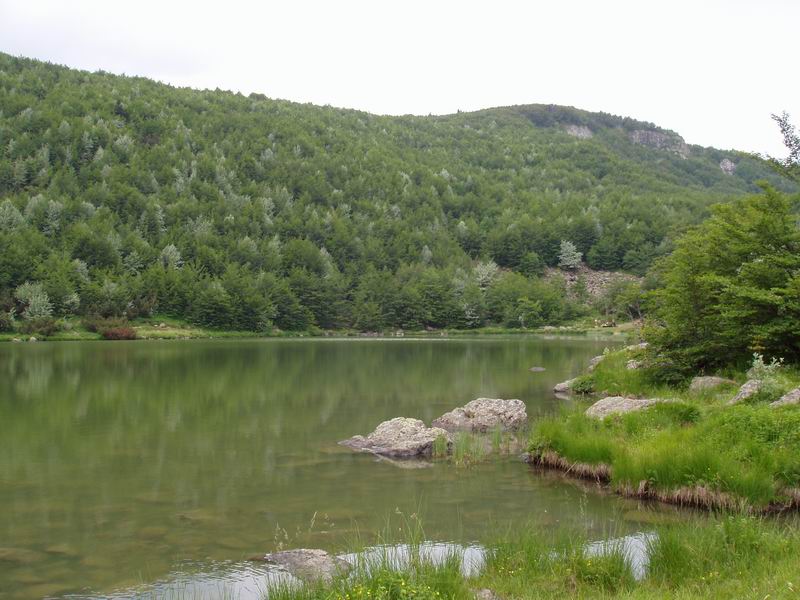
pixel 132 464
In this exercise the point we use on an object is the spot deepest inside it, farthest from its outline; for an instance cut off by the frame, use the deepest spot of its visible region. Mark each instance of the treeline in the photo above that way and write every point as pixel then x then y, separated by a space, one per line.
pixel 123 197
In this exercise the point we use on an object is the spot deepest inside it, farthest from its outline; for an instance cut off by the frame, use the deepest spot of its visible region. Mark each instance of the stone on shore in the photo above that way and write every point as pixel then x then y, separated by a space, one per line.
pixel 636 347
pixel 596 361
pixel 617 405
pixel 748 390
pixel 564 387
pixel 485 414
pixel 792 397
pixel 708 383
pixel 309 564
pixel 400 437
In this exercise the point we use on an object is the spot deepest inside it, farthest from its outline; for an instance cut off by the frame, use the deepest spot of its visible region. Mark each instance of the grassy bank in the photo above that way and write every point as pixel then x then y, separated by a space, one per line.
pixel 726 557
pixel 168 328
pixel 695 450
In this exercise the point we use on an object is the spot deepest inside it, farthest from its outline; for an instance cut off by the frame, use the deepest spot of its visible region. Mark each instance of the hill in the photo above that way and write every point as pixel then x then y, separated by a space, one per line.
pixel 123 196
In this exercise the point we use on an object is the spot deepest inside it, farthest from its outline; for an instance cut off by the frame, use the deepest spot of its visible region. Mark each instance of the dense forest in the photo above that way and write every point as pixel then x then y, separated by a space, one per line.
pixel 123 197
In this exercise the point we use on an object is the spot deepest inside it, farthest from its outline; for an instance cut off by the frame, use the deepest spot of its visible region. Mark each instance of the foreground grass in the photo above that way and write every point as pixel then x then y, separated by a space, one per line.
pixel 723 557
pixel 696 449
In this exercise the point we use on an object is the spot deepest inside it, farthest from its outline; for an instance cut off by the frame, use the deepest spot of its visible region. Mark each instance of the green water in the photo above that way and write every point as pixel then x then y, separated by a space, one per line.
pixel 126 463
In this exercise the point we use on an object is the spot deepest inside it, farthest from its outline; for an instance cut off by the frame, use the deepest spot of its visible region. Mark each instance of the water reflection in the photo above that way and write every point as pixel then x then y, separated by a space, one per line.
pixel 120 461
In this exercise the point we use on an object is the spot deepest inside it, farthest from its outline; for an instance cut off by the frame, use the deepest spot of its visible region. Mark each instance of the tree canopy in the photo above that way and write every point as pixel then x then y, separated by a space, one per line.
pixel 123 196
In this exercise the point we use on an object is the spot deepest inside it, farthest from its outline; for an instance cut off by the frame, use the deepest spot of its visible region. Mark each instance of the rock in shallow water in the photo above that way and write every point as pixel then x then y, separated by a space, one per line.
pixel 564 387
pixel 617 405
pixel 309 564
pixel 485 414
pixel 400 437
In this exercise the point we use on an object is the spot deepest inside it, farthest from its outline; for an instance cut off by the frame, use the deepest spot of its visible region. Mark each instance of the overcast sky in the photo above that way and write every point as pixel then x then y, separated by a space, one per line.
pixel 711 70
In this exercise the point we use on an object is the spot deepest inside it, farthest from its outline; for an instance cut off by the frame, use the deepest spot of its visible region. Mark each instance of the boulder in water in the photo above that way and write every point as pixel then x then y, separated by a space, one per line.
pixel 309 564
pixel 485 414
pixel 564 387
pixel 400 437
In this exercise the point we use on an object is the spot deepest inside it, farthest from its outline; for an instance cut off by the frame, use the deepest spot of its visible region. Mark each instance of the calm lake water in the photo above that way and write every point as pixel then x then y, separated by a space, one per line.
pixel 126 464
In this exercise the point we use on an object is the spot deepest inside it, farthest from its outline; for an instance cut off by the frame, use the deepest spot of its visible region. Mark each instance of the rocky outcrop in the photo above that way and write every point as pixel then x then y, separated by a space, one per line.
pixel 792 397
pixel 597 282
pixel 564 387
pixel 581 132
pixel 485 414
pixel 617 405
pixel 400 437
pixel 728 166
pixel 309 564
pixel 660 140
pixel 748 390
pixel 633 364
pixel 708 383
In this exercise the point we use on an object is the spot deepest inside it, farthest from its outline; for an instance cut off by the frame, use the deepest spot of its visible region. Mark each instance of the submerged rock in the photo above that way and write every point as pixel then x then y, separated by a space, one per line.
pixel 617 405
pixel 748 390
pixel 400 437
pixel 485 414
pixel 564 387
pixel 792 397
pixel 708 382
pixel 537 369
pixel 309 564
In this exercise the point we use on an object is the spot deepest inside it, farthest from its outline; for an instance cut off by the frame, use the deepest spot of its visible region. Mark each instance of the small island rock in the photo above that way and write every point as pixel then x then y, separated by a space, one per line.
pixel 485 414
pixel 617 405
pixel 400 437
pixel 309 564
pixel 708 382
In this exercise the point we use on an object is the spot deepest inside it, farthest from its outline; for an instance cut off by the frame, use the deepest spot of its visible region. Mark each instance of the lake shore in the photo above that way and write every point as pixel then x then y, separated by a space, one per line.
pixel 702 445
pixel 166 328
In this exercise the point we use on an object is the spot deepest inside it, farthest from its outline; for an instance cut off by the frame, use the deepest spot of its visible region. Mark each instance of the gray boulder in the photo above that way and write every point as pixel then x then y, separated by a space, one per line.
pixel 792 397
pixel 309 564
pixel 633 365
pixel 748 390
pixel 617 405
pixel 596 361
pixel 564 387
pixel 636 347
pixel 485 414
pixel 708 382
pixel 400 437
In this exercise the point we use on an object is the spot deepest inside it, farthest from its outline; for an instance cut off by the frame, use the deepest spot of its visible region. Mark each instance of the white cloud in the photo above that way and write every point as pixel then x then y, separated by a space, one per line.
pixel 713 70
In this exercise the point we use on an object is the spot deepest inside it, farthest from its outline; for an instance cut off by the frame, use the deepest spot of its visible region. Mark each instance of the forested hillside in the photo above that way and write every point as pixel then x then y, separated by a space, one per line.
pixel 120 196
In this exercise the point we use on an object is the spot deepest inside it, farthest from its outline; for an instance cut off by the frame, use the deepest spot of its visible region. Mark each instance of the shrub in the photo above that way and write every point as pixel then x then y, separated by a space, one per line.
pixel 44 326
pixel 584 384
pixel 119 333
pixel 7 320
